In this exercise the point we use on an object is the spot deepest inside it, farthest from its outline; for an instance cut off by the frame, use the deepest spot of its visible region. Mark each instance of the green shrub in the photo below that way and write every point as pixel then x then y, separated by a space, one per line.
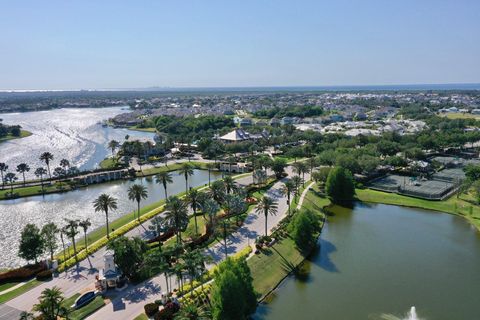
pixel 44 275
pixel 151 309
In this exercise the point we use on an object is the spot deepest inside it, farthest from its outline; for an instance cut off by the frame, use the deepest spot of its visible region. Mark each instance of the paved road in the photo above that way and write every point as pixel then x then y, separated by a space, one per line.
pixel 129 303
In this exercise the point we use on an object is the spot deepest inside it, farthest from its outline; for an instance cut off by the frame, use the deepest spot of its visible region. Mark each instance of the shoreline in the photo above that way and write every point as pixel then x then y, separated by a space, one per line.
pixel 23 134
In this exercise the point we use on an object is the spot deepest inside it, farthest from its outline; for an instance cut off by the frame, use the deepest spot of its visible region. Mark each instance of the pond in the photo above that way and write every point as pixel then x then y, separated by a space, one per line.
pixel 74 134
pixel 377 261
pixel 15 214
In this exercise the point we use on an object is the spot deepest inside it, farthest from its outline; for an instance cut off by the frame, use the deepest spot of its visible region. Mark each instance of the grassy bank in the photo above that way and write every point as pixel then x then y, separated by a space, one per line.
pixel 273 264
pixel 170 167
pixel 463 206
pixel 135 128
pixel 35 190
pixel 23 134
pixel 20 290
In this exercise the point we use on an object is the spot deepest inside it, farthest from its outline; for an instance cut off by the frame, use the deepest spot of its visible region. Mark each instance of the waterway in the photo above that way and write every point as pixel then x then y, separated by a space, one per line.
pixel 15 214
pixel 74 134
pixel 377 261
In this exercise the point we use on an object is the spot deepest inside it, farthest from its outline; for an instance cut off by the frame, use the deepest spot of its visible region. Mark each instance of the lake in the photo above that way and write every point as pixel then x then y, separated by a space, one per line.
pixel 377 261
pixel 74 134
pixel 15 214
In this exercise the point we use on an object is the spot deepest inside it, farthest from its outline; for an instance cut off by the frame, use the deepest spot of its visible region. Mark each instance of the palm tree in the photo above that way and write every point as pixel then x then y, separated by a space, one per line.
pixel 113 145
pixel 22 168
pixel 24 315
pixel 137 192
pixel 217 191
pixel 39 173
pixel 164 178
pixel 229 183
pixel 176 216
pixel 3 169
pixel 210 167
pixel 259 175
pixel 65 164
pixel 71 232
pixel 49 233
pixel 192 198
pixel 297 181
pixel 104 203
pixel 267 206
pixel 210 207
pixel 186 170
pixel 287 189
pixel 191 311
pixel 10 178
pixel 85 224
pixel 50 304
pixel 63 231
pixel 47 157
pixel 158 261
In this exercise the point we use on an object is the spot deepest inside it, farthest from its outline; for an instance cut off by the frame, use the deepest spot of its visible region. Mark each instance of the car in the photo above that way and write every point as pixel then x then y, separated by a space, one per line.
pixel 84 299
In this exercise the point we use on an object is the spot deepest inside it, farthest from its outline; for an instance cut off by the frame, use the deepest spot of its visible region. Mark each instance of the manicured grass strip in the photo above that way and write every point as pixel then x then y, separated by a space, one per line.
pixel 453 205
pixel 271 266
pixel 35 190
pixel 20 290
pixel 23 134
pixel 170 167
pixel 6 286
pixel 87 310
pixel 135 128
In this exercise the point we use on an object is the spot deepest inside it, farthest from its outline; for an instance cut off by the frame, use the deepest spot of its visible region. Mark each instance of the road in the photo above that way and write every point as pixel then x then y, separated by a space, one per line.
pixel 129 303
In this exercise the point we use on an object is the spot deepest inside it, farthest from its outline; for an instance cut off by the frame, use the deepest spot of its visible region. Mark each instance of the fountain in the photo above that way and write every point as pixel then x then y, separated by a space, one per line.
pixel 411 315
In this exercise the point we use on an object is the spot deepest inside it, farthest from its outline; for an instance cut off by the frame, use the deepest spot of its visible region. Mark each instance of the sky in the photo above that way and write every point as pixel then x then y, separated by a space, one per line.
pixel 92 44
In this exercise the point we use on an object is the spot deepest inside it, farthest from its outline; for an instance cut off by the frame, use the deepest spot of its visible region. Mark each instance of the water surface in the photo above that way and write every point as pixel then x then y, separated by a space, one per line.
pixel 379 259
pixel 15 214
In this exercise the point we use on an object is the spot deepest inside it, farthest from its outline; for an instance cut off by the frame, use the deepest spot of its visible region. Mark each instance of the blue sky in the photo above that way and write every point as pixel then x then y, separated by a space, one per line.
pixel 181 43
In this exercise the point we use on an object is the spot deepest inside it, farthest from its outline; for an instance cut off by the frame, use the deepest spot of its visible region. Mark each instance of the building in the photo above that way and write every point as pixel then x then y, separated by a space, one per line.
pixel 237 135
pixel 110 276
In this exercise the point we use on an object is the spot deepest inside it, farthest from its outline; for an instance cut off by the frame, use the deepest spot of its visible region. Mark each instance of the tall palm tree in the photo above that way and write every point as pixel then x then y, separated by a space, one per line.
pixel 267 206
pixel 192 198
pixel 22 168
pixel 85 224
pixel 65 164
pixel 210 207
pixel 3 170
pixel 24 315
pixel 287 189
pixel 71 232
pixel 105 203
pixel 297 182
pixel 158 262
pixel 210 167
pixel 47 157
pixel 164 178
pixel 39 173
pixel 136 193
pixel 63 231
pixel 113 145
pixel 230 184
pixel 176 216
pixel 10 178
pixel 50 304
pixel 186 170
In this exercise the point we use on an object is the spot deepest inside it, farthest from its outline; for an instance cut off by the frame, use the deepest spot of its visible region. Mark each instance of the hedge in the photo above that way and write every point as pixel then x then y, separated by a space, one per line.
pixel 21 274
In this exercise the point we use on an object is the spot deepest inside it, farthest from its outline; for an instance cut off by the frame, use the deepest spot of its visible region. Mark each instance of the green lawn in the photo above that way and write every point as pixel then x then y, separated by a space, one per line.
pixel 170 167
pixel 109 163
pixel 458 206
pixel 6 286
pixel 459 115
pixel 135 128
pixel 20 290
pixel 35 190
pixel 23 134
pixel 142 316
pixel 85 311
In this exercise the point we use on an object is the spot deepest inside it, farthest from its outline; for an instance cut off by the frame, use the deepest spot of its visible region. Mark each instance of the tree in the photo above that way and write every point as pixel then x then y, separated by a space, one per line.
pixel 267 206
pixel 71 231
pixel 85 224
pixel 39 173
pixel 472 172
pixel 287 189
pixel 229 184
pixel 297 182
pixel 210 167
pixel 176 216
pixel 3 170
pixel 113 145
pixel 192 198
pixel 278 167
pixel 320 176
pixel 129 254
pixel 210 207
pixel 191 311
pixel 136 193
pixel 164 178
pixel 24 315
pixel 47 157
pixel 10 178
pixel 186 170
pixel 22 168
pixel 50 304
pixel 340 186
pixel 233 295
pixel 157 261
pixel 303 229
pixel 49 235
pixel 32 244
pixel 105 203
pixel 217 191
pixel 259 175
